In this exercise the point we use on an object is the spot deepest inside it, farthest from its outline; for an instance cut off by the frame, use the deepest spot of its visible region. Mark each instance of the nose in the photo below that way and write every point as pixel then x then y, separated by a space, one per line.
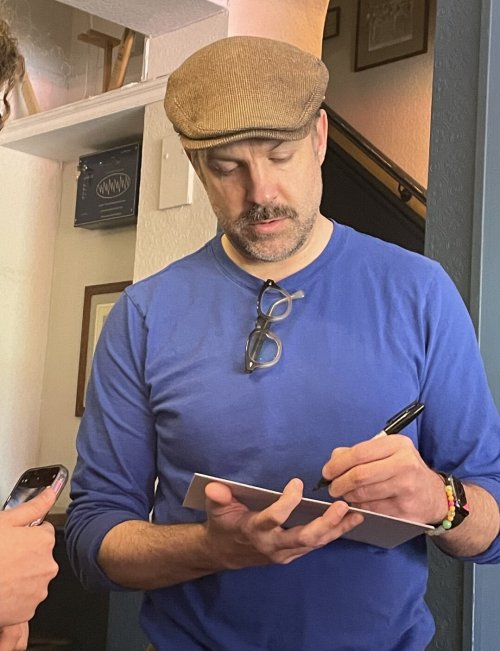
pixel 261 186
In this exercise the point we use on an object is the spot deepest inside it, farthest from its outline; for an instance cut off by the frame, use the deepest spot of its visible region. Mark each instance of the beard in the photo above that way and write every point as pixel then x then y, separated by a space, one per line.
pixel 267 247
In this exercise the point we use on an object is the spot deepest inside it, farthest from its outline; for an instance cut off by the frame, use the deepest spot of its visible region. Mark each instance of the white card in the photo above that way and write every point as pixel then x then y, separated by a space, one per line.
pixel 376 529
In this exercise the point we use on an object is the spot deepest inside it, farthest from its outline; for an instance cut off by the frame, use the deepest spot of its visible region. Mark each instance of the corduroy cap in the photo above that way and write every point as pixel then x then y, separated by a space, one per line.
pixel 245 87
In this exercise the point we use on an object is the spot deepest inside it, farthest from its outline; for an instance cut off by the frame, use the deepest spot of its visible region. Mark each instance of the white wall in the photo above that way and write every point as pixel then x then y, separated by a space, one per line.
pixel 29 208
pixel 88 257
pixel 389 104
pixel 166 235
pixel 299 22
pixel 45 264
pixel 81 257
pixel 168 51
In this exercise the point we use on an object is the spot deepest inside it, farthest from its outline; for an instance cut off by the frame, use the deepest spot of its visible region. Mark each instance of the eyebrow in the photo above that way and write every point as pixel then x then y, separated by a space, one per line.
pixel 221 155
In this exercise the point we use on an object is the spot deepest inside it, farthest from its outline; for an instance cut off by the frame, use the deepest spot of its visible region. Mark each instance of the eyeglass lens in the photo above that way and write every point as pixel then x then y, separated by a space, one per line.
pixel 264 347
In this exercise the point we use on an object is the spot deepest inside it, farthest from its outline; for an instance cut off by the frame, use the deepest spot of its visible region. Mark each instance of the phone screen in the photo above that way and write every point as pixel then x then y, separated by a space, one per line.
pixel 34 481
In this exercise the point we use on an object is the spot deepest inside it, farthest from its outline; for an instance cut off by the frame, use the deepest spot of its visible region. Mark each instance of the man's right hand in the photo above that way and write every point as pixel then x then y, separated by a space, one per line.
pixel 26 562
pixel 240 538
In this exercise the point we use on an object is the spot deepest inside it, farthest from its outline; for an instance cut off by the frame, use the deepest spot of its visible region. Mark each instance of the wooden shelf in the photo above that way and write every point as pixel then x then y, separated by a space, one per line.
pixel 89 125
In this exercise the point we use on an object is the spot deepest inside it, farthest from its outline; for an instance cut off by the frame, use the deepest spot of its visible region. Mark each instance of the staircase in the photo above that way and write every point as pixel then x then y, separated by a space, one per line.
pixel 364 189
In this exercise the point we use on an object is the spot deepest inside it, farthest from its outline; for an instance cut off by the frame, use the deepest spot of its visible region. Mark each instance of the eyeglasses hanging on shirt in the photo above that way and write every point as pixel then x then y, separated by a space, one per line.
pixel 263 348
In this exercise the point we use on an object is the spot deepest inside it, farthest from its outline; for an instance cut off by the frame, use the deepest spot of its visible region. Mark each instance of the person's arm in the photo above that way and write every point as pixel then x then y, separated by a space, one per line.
pixel 457 433
pixel 147 556
pixel 479 529
pixel 26 562
pixel 388 475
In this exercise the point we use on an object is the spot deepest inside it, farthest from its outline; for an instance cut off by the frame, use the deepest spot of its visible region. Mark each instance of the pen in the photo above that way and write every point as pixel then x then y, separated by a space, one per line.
pixel 394 425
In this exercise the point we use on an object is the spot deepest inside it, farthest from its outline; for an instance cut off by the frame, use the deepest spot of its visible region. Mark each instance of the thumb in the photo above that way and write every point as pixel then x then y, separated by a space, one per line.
pixel 36 508
pixel 220 501
pixel 218 493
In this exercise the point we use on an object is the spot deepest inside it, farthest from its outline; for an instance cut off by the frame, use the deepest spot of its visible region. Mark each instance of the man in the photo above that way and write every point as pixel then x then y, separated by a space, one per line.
pixel 188 377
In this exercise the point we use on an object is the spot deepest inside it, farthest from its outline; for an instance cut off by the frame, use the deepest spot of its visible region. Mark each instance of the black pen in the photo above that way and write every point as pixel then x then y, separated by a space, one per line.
pixel 394 425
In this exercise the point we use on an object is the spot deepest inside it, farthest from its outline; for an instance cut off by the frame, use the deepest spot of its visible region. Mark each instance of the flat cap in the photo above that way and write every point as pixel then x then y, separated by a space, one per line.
pixel 245 87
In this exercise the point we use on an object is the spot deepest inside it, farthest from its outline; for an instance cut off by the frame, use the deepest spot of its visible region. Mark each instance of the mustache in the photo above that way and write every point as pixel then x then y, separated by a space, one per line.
pixel 266 212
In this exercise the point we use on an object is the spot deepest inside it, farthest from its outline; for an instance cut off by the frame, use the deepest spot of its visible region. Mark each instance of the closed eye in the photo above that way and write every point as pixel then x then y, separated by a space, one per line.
pixel 223 170
pixel 281 159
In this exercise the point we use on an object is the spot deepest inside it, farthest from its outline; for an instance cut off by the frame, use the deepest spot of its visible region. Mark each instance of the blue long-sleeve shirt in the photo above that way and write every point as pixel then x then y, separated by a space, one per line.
pixel 377 328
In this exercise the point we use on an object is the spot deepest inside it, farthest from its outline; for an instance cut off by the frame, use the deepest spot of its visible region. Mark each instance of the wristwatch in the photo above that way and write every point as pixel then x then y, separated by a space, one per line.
pixel 457 505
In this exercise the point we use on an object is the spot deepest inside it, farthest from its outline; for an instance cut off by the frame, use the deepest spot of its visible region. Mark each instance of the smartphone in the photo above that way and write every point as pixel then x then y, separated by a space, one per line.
pixel 33 481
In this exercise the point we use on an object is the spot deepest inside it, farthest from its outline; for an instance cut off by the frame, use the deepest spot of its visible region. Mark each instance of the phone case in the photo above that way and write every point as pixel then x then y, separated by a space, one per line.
pixel 33 481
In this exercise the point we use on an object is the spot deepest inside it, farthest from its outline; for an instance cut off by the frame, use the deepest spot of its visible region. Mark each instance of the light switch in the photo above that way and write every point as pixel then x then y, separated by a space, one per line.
pixel 176 175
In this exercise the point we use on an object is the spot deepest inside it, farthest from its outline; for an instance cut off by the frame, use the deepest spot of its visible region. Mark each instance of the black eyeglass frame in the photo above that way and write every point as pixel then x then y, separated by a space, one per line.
pixel 262 330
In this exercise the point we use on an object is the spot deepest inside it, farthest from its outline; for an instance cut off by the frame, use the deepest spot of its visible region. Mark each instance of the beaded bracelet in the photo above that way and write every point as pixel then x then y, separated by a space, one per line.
pixel 448 521
pixel 457 506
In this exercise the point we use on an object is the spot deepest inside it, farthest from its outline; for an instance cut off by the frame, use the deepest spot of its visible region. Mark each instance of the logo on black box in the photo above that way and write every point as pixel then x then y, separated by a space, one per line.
pixel 113 185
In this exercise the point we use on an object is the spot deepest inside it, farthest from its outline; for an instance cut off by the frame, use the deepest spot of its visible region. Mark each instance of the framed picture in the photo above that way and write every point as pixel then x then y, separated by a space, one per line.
pixel 332 22
pixel 389 30
pixel 97 303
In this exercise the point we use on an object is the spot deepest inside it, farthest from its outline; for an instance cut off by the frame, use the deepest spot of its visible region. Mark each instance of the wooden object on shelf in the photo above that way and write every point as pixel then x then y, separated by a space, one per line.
pixel 27 91
pixel 107 43
pixel 29 95
pixel 122 59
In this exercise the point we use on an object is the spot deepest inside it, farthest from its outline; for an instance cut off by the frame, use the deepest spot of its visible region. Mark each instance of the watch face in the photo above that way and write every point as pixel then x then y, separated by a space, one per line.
pixel 461 511
pixel 458 490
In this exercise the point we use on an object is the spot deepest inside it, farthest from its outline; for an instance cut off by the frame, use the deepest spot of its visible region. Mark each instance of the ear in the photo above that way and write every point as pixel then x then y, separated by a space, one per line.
pixel 321 127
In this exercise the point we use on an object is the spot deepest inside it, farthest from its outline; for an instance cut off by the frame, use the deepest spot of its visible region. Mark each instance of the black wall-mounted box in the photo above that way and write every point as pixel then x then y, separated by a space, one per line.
pixel 108 187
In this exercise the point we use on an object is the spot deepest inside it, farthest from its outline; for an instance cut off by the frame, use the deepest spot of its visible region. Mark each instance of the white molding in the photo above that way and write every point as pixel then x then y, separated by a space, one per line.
pixel 67 131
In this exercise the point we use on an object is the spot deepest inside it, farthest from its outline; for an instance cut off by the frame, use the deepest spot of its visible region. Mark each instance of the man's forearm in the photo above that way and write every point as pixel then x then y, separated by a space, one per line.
pixel 141 555
pixel 147 556
pixel 479 529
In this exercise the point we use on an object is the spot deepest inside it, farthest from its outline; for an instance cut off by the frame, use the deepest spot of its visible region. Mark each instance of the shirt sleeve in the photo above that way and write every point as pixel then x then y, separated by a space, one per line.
pixel 460 427
pixel 115 473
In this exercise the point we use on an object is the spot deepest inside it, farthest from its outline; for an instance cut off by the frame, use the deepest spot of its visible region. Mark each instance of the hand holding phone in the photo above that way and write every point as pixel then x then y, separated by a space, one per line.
pixel 31 483
pixel 26 561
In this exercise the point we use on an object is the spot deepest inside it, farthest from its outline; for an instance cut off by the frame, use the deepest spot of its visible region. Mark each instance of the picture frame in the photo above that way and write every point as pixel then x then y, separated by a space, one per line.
pixel 390 30
pixel 332 22
pixel 97 303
